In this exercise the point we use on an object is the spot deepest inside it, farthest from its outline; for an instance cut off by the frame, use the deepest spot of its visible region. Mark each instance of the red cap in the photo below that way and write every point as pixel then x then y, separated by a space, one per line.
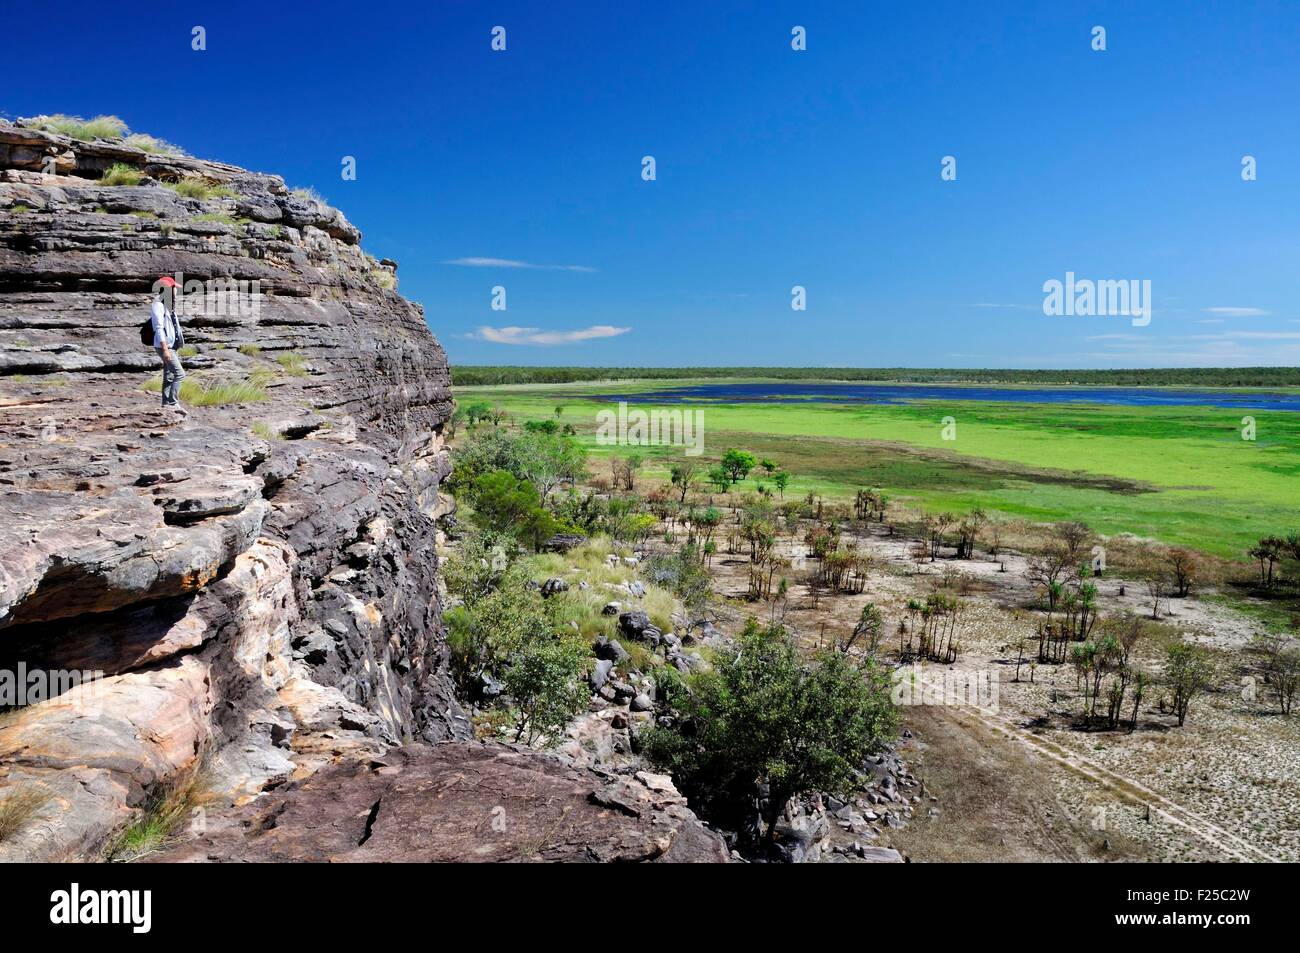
pixel 167 280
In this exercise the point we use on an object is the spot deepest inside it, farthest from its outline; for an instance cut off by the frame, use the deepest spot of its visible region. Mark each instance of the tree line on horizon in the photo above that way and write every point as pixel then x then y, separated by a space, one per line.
pixel 463 375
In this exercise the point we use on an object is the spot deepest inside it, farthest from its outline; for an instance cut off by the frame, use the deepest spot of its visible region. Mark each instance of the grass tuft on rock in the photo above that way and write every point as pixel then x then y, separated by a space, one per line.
pixel 146 143
pixel 100 127
pixel 195 188
pixel 162 816
pixel 214 394
pixel 119 173
pixel 293 363
pixel 17 806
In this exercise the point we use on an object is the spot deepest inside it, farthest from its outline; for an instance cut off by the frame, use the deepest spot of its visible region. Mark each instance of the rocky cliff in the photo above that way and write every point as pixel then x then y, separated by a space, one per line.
pixel 257 583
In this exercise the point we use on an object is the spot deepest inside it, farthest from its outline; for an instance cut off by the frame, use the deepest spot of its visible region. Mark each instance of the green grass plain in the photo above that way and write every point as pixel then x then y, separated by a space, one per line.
pixel 1182 475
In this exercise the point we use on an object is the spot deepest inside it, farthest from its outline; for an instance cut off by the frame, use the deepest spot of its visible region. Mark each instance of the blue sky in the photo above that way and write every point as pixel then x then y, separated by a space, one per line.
pixel 775 168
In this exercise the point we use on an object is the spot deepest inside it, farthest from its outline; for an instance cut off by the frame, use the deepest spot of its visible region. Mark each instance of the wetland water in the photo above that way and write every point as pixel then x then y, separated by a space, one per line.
pixel 796 392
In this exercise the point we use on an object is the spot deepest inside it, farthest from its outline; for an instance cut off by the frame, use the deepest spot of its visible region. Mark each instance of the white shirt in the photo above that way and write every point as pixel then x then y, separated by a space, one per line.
pixel 164 325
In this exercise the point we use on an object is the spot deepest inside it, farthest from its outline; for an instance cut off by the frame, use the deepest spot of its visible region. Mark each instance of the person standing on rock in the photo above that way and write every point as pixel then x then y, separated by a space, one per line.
pixel 168 339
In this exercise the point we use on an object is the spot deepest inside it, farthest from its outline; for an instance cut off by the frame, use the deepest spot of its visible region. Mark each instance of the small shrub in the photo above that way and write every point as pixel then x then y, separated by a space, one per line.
pixel 101 127
pixel 308 195
pixel 20 209
pixel 384 278
pixel 252 350
pixel 119 173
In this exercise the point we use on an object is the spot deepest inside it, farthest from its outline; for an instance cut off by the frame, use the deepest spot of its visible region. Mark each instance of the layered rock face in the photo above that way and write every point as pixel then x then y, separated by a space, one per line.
pixel 256 582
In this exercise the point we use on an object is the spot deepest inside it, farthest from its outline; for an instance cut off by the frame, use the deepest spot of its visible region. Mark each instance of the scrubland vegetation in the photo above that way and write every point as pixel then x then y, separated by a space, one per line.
pixel 1104 639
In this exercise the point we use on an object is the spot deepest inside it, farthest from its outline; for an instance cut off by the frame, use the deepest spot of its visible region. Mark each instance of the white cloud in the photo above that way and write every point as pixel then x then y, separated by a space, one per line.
pixel 1006 307
pixel 1237 312
pixel 536 336
pixel 512 263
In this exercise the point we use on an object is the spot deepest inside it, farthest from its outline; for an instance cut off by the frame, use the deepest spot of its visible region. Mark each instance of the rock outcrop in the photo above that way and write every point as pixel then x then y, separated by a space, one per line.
pixel 256 583
pixel 461 802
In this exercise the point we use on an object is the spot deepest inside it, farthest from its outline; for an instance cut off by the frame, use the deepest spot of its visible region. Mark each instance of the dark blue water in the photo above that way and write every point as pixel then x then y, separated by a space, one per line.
pixel 792 392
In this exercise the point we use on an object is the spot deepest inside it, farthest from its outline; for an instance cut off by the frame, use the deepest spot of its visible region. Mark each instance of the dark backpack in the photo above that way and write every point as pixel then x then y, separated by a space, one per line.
pixel 146 331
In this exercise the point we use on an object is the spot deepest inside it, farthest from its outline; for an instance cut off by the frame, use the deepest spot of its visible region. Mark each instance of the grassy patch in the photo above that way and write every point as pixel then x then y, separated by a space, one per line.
pixel 293 363
pixel 146 143
pixel 215 393
pixel 194 188
pixel 216 217
pixel 188 350
pixel 251 350
pixel 119 173
pixel 144 213
pixel 308 195
pixel 1275 615
pixel 17 806
pixel 588 563
pixel 384 278
pixel 264 431
pixel 1181 475
pixel 162 816
pixel 20 209
pixel 100 127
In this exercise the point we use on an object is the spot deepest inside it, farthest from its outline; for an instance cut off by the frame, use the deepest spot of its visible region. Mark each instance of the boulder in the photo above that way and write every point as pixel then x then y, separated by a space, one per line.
pixel 600 673
pixel 459 803
pixel 553 585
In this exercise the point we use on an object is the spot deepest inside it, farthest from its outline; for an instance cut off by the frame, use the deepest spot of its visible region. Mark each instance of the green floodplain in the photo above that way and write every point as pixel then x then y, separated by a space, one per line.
pixel 1180 475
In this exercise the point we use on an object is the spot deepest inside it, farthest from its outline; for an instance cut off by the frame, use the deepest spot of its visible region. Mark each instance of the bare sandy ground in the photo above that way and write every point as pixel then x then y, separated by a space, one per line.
pixel 1023 783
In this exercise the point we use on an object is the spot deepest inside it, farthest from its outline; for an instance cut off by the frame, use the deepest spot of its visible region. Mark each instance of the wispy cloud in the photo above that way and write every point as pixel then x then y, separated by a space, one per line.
pixel 1237 312
pixel 536 336
pixel 512 263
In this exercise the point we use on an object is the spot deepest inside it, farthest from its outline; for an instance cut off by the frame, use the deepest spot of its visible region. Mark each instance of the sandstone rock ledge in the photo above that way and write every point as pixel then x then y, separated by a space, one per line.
pixel 258 582
pixel 461 802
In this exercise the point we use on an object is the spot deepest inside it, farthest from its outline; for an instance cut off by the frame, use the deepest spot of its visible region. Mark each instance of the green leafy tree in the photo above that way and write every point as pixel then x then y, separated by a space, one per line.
pixel 684 475
pixel 766 716
pixel 544 680
pixel 782 480
pixel 475 570
pixel 737 464
pixel 1187 673
pixel 504 504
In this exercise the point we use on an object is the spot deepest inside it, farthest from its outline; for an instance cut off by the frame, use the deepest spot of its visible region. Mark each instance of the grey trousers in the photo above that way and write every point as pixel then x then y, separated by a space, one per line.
pixel 172 374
